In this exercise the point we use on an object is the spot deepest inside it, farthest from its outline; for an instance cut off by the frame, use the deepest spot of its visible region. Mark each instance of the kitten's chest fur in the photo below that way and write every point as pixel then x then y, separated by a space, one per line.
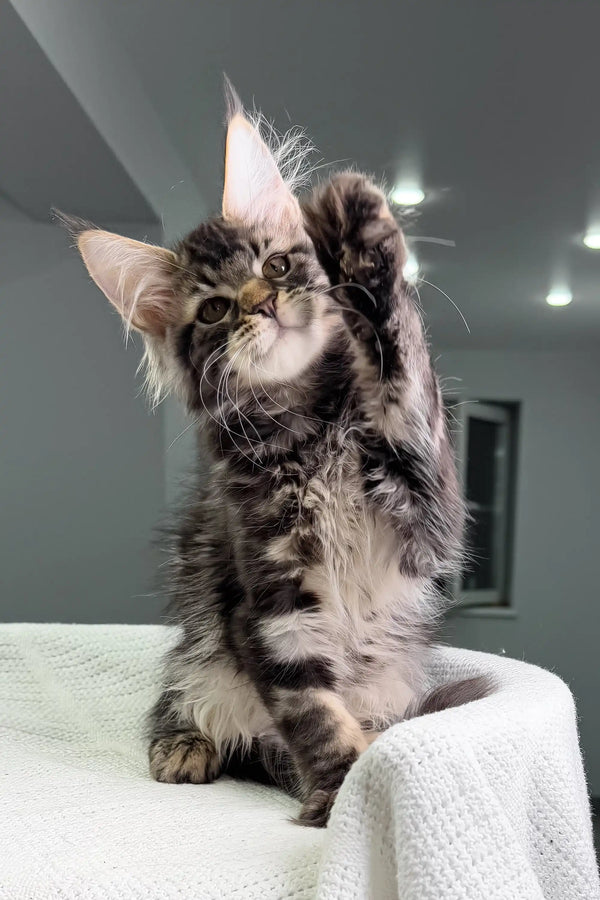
pixel 370 620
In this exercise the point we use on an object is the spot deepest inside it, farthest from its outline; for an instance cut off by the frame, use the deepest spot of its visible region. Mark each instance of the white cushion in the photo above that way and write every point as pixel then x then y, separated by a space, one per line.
pixel 485 801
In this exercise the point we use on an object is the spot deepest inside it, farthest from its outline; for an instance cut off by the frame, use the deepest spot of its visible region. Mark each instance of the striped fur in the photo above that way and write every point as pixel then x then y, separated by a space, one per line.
pixel 305 577
pixel 304 565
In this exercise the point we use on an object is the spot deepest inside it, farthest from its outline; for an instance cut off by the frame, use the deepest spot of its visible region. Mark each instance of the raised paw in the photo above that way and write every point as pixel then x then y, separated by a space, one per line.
pixel 316 808
pixel 185 756
pixel 357 240
pixel 347 218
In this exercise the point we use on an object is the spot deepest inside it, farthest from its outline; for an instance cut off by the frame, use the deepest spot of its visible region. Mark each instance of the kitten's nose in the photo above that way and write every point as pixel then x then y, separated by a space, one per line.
pixel 266 307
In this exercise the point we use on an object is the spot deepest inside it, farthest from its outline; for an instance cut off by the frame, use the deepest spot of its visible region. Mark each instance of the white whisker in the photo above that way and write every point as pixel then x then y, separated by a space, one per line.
pixel 431 284
pixel 181 433
pixel 443 242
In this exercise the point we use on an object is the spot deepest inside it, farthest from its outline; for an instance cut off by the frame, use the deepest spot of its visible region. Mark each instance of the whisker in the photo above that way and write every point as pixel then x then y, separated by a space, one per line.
pixel 355 284
pixel 207 366
pixel 230 431
pixel 273 419
pixel 375 332
pixel 342 429
pixel 220 424
pixel 431 284
pixel 237 388
pixel 235 405
pixel 259 439
pixel 461 403
pixel 181 433
pixel 419 307
pixel 443 242
pixel 224 377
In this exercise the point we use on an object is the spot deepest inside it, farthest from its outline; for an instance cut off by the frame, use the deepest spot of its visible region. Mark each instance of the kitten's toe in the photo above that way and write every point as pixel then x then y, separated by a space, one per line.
pixel 365 216
pixel 347 215
pixel 316 808
pixel 184 757
pixel 357 239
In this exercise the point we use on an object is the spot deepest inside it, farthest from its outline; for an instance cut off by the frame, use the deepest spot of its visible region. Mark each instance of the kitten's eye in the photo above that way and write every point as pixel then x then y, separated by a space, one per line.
pixel 213 310
pixel 276 266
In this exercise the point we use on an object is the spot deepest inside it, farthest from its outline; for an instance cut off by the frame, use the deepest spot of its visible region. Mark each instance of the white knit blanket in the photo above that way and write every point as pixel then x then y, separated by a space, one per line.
pixel 482 802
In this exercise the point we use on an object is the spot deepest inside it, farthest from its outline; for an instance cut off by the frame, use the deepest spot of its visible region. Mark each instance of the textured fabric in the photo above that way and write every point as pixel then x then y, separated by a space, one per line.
pixel 486 801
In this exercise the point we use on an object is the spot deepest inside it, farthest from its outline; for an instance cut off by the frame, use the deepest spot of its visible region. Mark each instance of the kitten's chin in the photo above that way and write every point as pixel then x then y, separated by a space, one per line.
pixel 291 352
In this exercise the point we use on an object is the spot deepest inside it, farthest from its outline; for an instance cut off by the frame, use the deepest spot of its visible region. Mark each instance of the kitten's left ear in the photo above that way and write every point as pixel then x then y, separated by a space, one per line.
pixel 254 190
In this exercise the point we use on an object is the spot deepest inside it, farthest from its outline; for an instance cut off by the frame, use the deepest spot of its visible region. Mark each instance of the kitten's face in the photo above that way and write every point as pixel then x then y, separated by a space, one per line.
pixel 259 302
pixel 243 295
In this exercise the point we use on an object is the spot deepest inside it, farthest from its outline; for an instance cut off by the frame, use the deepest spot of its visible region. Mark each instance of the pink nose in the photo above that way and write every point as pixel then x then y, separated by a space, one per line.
pixel 266 307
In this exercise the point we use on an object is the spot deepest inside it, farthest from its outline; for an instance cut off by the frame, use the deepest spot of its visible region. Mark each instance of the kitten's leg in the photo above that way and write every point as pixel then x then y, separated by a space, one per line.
pixel 278 636
pixel 207 708
pixel 208 711
pixel 266 761
pixel 325 740
pixel 407 462
pixel 179 752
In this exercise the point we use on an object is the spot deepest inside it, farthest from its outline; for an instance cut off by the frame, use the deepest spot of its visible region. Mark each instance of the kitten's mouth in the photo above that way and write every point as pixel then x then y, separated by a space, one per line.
pixel 269 336
pixel 278 319
pixel 270 309
pixel 279 347
pixel 273 336
pixel 279 335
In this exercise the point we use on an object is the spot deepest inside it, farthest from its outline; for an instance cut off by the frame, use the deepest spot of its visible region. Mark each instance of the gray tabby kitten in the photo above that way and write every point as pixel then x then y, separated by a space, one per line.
pixel 304 572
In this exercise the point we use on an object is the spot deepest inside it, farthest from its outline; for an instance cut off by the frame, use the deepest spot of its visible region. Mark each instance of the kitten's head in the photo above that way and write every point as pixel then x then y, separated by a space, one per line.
pixel 243 293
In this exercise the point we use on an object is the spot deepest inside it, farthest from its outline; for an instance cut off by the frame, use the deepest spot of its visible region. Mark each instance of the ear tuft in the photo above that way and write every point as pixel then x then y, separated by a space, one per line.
pixel 254 190
pixel 72 224
pixel 137 278
pixel 233 104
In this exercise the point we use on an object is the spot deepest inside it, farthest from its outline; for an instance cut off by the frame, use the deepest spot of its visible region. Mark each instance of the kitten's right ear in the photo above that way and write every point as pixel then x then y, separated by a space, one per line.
pixel 137 278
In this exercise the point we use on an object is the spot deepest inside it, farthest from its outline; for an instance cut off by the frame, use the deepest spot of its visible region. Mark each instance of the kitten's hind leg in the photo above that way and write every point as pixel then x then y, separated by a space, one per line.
pixel 323 740
pixel 265 761
pixel 279 632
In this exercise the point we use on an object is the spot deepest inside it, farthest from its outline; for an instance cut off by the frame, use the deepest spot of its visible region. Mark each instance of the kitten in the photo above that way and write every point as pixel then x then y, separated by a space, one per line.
pixel 304 571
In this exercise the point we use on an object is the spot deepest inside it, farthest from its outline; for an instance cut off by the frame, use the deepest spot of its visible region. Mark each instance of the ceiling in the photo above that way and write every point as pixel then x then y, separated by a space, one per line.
pixel 50 152
pixel 495 103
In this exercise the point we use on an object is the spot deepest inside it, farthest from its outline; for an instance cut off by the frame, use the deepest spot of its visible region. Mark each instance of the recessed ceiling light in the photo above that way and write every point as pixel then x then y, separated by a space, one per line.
pixel 407 195
pixel 411 268
pixel 592 240
pixel 559 297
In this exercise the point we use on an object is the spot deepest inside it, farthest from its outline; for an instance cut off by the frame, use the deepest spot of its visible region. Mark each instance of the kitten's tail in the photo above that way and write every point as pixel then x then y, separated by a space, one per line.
pixel 446 696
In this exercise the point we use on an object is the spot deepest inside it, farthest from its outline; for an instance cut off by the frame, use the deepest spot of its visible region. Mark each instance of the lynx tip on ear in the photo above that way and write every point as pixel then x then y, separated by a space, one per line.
pixel 73 224
pixel 233 104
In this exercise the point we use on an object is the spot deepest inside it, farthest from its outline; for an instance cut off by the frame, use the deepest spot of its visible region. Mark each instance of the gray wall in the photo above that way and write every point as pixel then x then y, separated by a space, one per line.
pixel 555 588
pixel 81 458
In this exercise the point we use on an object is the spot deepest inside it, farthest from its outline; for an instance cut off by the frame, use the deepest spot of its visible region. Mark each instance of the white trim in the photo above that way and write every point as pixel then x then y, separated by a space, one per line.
pixel 487 612
pixel 479 597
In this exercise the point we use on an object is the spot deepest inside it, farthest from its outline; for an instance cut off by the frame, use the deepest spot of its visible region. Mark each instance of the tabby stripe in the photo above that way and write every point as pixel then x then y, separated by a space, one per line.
pixel 281 600
pixel 397 461
pixel 314 672
pixel 184 342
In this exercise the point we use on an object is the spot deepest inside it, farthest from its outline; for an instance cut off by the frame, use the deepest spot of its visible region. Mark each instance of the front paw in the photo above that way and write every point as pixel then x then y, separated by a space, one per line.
pixel 347 219
pixel 186 756
pixel 316 808
pixel 357 240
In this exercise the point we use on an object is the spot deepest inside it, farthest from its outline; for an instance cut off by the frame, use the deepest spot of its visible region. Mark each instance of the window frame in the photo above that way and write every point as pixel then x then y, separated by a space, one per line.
pixel 504 413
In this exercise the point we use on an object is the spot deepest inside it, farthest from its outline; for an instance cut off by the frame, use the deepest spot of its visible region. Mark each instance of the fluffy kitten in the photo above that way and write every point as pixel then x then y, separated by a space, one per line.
pixel 303 576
